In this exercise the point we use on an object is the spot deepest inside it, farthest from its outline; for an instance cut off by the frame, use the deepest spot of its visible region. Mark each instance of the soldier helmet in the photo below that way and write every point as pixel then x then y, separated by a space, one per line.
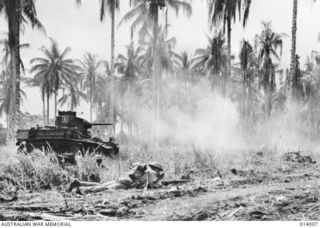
pixel 156 165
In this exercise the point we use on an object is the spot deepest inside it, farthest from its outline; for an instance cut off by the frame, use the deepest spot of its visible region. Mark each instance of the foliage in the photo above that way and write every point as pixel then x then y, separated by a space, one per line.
pixel 212 60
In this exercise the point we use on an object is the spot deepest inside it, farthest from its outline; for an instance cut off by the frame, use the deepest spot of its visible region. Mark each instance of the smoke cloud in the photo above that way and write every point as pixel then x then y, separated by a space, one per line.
pixel 194 114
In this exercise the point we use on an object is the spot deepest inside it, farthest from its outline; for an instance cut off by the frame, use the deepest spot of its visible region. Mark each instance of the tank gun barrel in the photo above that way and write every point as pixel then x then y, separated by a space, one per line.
pixel 101 124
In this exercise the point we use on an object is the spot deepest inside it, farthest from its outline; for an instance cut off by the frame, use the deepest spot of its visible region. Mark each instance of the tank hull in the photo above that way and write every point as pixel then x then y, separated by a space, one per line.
pixel 69 136
pixel 63 142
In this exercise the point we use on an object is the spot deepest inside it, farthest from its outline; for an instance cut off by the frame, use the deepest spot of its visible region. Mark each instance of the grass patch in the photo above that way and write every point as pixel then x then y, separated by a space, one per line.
pixel 37 171
pixel 34 171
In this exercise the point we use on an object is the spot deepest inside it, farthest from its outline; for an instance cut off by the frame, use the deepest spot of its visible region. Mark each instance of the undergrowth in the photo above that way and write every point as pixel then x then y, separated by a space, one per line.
pixel 34 171
pixel 39 170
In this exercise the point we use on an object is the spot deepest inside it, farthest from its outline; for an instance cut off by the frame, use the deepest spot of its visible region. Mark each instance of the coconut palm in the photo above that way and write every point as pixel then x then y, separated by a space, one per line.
pixel 71 96
pixel 145 13
pixel 246 60
pixel 129 68
pixel 164 54
pixel 164 50
pixel 146 16
pixel 89 73
pixel 269 46
pixel 42 81
pixel 212 59
pixel 102 94
pixel 183 67
pixel 17 12
pixel 225 12
pixel 111 6
pixel 54 70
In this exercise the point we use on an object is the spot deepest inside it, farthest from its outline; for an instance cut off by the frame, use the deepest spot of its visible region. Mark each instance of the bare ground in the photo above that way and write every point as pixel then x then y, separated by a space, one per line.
pixel 292 194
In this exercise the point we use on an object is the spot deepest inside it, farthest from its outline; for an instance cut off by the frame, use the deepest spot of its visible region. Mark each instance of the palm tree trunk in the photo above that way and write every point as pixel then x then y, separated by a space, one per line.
pixel 55 103
pixel 48 108
pixel 14 7
pixel 155 74
pixel 12 109
pixel 293 47
pixel 112 67
pixel 228 57
pixel 250 99
pixel 8 131
pixel 167 23
pixel 44 109
pixel 131 31
pixel 91 97
pixel 244 95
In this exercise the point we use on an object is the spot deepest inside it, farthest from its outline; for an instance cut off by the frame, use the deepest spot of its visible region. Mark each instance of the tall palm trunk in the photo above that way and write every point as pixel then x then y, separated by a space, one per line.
pixel 131 31
pixel 293 48
pixel 44 109
pixel 48 108
pixel 250 98
pixel 112 67
pixel 14 20
pixel 55 103
pixel 91 96
pixel 268 85
pixel 244 98
pixel 228 57
pixel 155 75
pixel 167 22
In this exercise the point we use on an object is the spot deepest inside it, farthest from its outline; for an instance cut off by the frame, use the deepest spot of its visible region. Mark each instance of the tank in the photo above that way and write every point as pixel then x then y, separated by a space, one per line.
pixel 69 136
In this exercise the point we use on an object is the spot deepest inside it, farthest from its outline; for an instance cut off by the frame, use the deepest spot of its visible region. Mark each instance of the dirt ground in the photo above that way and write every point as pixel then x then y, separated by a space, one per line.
pixel 292 194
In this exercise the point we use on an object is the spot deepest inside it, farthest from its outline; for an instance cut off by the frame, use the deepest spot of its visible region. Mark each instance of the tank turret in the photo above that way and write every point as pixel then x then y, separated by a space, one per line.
pixel 69 135
pixel 69 119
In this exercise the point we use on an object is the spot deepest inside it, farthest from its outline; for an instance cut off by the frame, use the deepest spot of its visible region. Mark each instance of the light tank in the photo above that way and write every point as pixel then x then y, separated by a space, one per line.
pixel 69 136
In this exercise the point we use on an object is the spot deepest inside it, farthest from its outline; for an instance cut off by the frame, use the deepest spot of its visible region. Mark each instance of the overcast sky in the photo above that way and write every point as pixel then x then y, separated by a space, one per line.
pixel 80 29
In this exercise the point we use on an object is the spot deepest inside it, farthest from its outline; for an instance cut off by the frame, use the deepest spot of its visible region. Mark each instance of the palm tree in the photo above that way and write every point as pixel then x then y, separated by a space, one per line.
pixel 212 59
pixel 164 53
pixel 5 79
pixel 16 12
pixel 146 14
pixel 129 68
pixel 225 12
pixel 183 67
pixel 111 6
pixel 164 63
pixel 89 73
pixel 268 45
pixel 53 70
pixel 42 81
pixel 246 60
pixel 71 96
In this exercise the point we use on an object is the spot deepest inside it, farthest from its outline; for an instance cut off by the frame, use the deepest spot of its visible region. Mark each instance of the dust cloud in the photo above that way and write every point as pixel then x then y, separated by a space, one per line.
pixel 195 114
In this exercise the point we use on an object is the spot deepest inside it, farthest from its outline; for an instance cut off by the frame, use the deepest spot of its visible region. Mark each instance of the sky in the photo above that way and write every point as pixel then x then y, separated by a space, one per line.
pixel 79 28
